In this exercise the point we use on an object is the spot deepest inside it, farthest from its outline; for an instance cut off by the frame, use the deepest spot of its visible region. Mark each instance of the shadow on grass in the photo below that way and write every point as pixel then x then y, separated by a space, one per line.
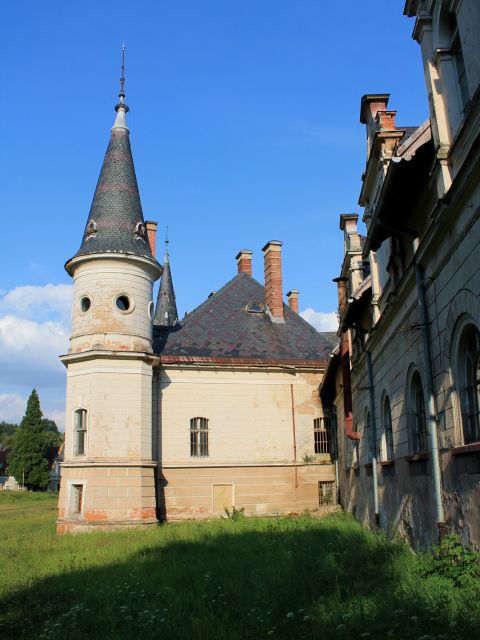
pixel 244 580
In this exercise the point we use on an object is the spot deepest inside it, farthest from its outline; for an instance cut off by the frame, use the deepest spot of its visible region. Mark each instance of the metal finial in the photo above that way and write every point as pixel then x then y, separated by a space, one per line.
pixel 122 79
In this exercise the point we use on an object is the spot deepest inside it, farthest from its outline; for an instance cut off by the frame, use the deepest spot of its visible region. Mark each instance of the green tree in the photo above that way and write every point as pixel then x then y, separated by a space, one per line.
pixel 52 435
pixel 7 434
pixel 27 461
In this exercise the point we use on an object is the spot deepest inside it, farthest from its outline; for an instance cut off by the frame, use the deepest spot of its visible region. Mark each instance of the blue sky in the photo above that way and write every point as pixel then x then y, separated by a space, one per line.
pixel 244 126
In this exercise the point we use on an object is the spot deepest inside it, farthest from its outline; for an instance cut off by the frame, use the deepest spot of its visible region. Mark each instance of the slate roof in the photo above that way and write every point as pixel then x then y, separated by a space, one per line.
pixel 222 329
pixel 115 222
pixel 166 314
pixel 408 132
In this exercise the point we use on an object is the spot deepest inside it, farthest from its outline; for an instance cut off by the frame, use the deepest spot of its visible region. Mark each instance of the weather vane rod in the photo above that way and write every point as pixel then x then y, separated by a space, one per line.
pixel 122 79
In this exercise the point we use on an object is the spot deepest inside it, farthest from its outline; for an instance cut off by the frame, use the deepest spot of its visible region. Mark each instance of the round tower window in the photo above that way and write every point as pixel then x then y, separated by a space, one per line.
pixel 151 308
pixel 123 303
pixel 85 304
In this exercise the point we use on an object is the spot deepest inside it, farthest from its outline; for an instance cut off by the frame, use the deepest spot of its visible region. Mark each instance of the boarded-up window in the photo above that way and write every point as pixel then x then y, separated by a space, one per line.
pixel 199 437
pixel 222 497
pixel 321 433
pixel 76 499
pixel 326 492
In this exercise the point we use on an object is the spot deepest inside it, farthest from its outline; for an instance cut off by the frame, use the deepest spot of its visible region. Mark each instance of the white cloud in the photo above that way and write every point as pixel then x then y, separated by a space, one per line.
pixel 321 320
pixel 52 302
pixel 12 407
pixel 34 330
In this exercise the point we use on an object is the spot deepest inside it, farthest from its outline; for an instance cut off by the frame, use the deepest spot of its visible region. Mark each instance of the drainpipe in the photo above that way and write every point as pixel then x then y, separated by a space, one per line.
pixel 373 427
pixel 432 409
pixel 294 436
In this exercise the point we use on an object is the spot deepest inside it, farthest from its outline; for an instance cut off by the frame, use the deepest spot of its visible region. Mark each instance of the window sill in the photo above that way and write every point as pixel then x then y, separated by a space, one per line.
pixel 474 447
pixel 387 463
pixel 417 457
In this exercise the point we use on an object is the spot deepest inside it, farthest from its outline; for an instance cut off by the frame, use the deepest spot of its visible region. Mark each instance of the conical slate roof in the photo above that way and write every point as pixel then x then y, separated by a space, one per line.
pixel 166 314
pixel 115 223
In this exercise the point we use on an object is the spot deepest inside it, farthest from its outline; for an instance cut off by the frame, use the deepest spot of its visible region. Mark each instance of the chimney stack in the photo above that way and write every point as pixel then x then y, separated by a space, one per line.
pixel 151 228
pixel 244 261
pixel 293 300
pixel 273 279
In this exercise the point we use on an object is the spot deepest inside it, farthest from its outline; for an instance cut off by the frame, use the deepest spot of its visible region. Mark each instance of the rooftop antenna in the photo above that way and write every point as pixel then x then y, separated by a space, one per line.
pixel 122 79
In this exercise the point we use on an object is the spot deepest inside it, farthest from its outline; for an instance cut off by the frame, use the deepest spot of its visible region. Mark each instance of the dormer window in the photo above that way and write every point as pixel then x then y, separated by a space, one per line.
pixel 256 307
pixel 140 231
pixel 91 230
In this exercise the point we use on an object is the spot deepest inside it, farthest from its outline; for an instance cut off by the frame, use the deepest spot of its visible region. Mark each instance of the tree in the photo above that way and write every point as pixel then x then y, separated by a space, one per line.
pixel 27 462
pixel 7 434
pixel 53 436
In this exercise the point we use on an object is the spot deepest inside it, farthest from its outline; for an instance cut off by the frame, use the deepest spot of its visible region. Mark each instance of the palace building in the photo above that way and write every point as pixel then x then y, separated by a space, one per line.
pixel 168 418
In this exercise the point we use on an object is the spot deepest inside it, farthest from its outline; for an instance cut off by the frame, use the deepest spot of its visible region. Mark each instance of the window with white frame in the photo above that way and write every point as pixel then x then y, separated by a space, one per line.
pixel 417 421
pixel 80 432
pixel 468 381
pixel 199 437
pixel 322 435
pixel 387 435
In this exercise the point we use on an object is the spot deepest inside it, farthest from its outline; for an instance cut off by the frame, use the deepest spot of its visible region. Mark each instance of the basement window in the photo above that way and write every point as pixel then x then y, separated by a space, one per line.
pixel 326 492
pixel 76 499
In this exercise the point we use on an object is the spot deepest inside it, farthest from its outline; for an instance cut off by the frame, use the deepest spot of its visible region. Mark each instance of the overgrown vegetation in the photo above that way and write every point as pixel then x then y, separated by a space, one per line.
pixel 289 578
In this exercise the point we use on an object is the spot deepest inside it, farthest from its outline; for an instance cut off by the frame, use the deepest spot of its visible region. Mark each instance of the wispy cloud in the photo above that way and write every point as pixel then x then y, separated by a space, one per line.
pixel 34 329
pixel 321 320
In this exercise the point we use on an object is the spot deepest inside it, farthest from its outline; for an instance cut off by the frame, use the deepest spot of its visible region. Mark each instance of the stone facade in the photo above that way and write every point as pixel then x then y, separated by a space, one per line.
pixel 412 461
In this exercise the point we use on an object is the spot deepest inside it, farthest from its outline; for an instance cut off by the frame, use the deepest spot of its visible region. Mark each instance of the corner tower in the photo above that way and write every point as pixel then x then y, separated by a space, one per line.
pixel 108 475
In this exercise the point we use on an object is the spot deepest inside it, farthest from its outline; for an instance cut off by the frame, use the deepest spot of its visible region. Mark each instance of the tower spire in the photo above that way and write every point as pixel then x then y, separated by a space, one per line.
pixel 166 314
pixel 121 108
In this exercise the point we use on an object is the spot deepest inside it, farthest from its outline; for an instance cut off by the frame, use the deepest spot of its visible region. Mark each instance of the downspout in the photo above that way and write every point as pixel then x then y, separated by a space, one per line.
pixel 432 409
pixel 294 437
pixel 373 427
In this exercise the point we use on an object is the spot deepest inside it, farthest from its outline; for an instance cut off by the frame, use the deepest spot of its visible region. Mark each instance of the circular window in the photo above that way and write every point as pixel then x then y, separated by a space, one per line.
pixel 85 304
pixel 150 310
pixel 123 303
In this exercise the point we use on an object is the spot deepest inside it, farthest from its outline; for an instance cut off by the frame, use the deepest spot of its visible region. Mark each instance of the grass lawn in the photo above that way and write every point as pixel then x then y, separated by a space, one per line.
pixel 246 579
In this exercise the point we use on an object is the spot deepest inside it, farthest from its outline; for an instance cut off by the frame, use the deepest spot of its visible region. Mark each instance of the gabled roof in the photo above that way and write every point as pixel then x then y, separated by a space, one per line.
pixel 222 330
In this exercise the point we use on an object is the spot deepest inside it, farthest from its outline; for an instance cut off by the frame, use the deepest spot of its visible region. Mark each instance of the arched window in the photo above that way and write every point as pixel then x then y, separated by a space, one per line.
pixel 417 422
pixel 322 435
pixel 387 435
pixel 199 437
pixel 80 432
pixel 468 381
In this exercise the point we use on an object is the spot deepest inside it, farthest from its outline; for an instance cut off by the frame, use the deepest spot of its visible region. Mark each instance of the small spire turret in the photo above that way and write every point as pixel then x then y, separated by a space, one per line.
pixel 166 314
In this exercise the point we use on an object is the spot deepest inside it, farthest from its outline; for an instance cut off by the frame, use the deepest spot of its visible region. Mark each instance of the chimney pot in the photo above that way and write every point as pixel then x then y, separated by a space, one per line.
pixel 244 261
pixel 293 300
pixel 273 279
pixel 151 228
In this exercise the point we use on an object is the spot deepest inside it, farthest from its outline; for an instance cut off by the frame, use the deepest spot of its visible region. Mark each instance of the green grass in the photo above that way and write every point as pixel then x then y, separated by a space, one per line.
pixel 250 578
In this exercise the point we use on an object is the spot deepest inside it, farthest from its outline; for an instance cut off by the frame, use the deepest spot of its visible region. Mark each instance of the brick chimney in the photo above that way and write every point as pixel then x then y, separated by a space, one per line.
pixel 151 228
pixel 293 300
pixel 244 261
pixel 272 253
